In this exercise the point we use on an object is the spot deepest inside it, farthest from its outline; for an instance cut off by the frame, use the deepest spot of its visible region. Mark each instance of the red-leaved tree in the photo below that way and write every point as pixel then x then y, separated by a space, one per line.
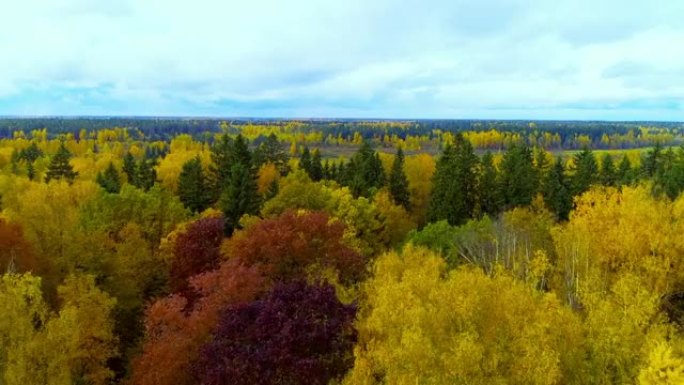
pixel 16 253
pixel 173 334
pixel 285 246
pixel 297 334
pixel 195 251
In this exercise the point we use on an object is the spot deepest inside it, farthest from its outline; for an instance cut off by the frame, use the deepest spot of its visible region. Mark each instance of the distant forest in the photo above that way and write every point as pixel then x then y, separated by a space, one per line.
pixel 590 133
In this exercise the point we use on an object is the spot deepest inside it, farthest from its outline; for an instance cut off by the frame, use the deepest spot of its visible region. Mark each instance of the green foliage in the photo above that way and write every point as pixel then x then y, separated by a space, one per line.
pixel 454 192
pixel 110 180
pixel 193 187
pixel 239 197
pixel 586 172
pixel 59 167
pixel 556 191
pixel 518 179
pixel 398 182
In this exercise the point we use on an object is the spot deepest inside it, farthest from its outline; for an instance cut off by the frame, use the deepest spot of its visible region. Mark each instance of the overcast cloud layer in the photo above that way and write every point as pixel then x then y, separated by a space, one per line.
pixel 532 59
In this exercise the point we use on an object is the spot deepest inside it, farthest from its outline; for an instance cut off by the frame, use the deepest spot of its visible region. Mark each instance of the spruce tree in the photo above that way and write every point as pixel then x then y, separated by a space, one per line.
pixel 454 193
pixel 625 174
pixel 305 161
pixel 146 176
pixel 239 197
pixel 608 174
pixel 129 168
pixel 489 198
pixel 557 191
pixel 651 161
pixel 316 166
pixel 222 159
pixel 110 180
pixel 59 167
pixel 364 172
pixel 30 171
pixel 518 182
pixel 193 188
pixel 398 182
pixel 271 151
pixel 586 172
pixel 326 170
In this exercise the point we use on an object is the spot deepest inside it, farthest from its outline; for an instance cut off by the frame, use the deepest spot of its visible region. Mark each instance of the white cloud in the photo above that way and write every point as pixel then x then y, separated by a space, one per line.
pixel 435 58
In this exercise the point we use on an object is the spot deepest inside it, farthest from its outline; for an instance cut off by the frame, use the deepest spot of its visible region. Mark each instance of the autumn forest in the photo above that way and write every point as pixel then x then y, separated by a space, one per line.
pixel 256 252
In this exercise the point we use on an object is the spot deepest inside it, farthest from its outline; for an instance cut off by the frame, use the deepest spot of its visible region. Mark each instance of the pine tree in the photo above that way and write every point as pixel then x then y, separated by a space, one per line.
pixel 608 174
pixel 30 171
pixel 146 176
pixel 110 180
pixel 625 174
pixel 273 189
pixel 59 167
pixel 518 181
pixel 489 199
pixel 193 188
pixel 651 161
pixel 454 193
pixel 326 170
pixel 305 161
pixel 364 172
pixel 219 171
pixel 398 182
pixel 130 169
pixel 239 197
pixel 316 166
pixel 586 172
pixel 557 191
pixel 271 151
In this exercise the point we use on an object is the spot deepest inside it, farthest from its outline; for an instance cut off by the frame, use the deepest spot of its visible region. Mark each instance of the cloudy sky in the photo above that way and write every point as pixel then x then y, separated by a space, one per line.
pixel 520 59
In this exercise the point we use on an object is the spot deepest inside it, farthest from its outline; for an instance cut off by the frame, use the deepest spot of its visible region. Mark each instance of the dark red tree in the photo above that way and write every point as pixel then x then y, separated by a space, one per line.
pixel 284 247
pixel 195 251
pixel 297 334
pixel 16 253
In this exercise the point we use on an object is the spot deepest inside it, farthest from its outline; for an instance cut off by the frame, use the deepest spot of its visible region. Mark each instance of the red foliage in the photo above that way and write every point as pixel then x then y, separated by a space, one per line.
pixel 195 251
pixel 15 251
pixel 285 246
pixel 174 335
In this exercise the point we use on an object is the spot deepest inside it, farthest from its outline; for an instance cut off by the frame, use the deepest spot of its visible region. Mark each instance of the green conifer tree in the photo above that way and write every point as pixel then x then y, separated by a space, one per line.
pixel 59 167
pixel 110 180
pixel 557 191
pixel 398 182
pixel 193 187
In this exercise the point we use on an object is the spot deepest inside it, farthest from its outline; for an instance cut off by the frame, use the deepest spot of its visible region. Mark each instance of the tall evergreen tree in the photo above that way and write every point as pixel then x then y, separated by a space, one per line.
pixel 557 191
pixel 625 174
pixel 398 182
pixel 30 171
pixel 326 170
pixel 305 161
pixel 488 197
pixel 651 161
pixel 586 171
pixel 271 151
pixel 608 174
pixel 130 168
pixel 31 153
pixel 364 171
pixel 193 187
pixel 110 180
pixel 518 182
pixel 454 193
pixel 222 159
pixel 146 176
pixel 59 167
pixel 239 197
pixel 670 176
pixel 316 166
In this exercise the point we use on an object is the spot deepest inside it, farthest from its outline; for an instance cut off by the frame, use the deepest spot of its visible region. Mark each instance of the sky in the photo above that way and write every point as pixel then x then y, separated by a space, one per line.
pixel 403 59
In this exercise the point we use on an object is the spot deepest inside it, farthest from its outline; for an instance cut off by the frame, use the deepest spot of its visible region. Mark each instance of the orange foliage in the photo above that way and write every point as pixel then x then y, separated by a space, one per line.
pixel 174 333
pixel 287 246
